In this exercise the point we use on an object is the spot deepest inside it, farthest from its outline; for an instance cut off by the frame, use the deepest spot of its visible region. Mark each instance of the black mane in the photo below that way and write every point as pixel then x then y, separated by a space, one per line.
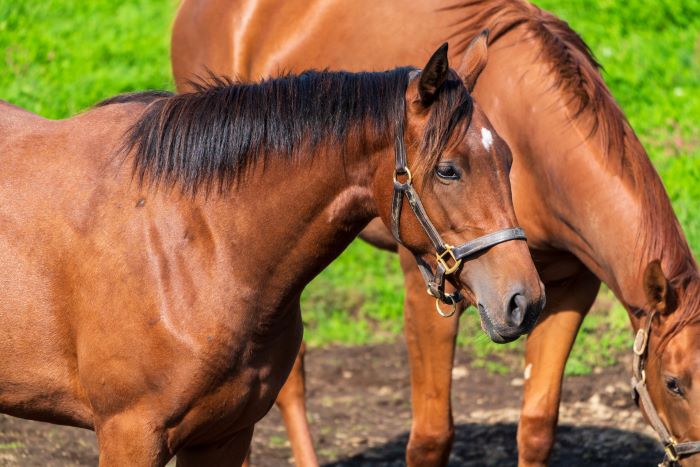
pixel 209 137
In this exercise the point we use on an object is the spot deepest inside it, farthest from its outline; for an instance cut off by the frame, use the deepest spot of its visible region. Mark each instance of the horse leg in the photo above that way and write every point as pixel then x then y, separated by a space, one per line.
pixel 246 461
pixel 546 352
pixel 431 343
pixel 292 405
pixel 232 452
pixel 130 439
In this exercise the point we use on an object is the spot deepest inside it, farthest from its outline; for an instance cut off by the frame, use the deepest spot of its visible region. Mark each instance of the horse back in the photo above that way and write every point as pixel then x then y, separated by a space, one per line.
pixel 13 118
pixel 84 142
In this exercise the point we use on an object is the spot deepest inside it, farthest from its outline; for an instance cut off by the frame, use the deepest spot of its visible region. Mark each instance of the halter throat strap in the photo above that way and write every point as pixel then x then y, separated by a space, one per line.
pixel 448 257
pixel 673 450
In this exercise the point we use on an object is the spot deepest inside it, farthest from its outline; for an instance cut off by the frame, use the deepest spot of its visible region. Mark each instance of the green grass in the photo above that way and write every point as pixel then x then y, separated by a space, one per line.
pixel 59 57
pixel 10 446
pixel 358 299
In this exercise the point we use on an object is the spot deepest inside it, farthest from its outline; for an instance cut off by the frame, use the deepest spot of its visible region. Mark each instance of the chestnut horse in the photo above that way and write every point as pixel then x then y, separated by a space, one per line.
pixel 154 248
pixel 583 188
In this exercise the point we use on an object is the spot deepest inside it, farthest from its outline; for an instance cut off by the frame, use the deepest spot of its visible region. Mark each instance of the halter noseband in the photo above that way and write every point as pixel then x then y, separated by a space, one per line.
pixel 448 257
pixel 673 449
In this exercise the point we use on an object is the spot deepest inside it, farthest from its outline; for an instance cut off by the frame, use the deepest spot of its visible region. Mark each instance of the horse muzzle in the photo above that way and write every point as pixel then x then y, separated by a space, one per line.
pixel 506 319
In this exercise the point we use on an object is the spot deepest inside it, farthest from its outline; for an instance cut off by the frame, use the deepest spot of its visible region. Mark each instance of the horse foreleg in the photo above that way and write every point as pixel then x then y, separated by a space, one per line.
pixel 547 350
pixel 291 402
pixel 431 344
pixel 232 452
pixel 130 439
pixel 292 405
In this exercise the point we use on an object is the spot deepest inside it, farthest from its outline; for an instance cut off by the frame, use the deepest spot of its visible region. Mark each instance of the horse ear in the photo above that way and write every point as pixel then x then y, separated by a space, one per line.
pixel 474 60
pixel 433 76
pixel 656 287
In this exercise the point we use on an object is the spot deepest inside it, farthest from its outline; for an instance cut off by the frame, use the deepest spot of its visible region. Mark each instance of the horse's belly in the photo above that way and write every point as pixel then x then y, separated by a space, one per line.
pixel 38 374
pixel 41 389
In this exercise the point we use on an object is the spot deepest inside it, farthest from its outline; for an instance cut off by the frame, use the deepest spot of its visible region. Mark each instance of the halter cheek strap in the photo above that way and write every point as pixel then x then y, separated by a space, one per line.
pixel 448 257
pixel 673 449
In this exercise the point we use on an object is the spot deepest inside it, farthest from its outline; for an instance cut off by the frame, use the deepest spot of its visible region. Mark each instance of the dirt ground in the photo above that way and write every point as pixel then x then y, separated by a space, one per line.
pixel 360 415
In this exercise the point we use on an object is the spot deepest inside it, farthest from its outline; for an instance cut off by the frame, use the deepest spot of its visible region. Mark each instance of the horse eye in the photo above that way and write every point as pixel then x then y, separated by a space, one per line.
pixel 673 386
pixel 447 172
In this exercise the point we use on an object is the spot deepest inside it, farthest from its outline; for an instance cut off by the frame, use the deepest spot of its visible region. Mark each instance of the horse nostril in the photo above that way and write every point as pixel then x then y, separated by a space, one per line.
pixel 517 308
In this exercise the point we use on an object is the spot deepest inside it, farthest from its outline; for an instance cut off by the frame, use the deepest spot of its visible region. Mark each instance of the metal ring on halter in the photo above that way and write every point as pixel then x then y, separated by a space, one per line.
pixel 407 173
pixel 451 312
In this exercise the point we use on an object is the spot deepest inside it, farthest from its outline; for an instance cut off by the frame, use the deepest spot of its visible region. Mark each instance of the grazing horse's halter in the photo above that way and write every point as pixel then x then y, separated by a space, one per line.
pixel 445 253
pixel 672 448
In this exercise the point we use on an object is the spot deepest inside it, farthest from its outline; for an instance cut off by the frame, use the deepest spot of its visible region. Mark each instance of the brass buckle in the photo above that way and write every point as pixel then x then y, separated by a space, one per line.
pixel 441 259
pixel 670 450
pixel 407 174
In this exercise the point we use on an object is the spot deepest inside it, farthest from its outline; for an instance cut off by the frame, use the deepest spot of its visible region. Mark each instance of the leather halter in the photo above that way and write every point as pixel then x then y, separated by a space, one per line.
pixel 449 258
pixel 673 449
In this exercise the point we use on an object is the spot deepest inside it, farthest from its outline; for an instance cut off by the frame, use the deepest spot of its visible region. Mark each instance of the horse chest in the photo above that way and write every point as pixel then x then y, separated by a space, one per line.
pixel 555 266
pixel 230 392
pixel 234 403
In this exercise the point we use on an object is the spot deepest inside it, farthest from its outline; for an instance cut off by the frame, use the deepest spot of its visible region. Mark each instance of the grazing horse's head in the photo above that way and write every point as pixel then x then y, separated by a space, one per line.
pixel 461 172
pixel 669 367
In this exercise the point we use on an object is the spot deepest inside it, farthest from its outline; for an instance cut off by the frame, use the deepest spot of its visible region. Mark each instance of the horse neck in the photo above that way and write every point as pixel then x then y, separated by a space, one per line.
pixel 306 215
pixel 606 206
pixel 606 210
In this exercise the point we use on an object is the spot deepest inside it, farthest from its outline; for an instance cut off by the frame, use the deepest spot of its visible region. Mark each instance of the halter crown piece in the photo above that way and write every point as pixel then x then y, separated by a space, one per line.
pixel 673 450
pixel 449 258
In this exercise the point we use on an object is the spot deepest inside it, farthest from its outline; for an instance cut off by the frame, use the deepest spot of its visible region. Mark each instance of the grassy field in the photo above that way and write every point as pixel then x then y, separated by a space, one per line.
pixel 59 57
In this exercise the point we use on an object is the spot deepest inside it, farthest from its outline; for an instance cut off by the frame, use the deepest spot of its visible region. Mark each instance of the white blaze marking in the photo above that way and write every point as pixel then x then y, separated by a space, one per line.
pixel 528 371
pixel 486 139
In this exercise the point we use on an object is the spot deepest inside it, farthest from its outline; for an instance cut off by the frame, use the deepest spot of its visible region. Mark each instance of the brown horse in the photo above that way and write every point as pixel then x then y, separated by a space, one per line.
pixel 154 248
pixel 583 188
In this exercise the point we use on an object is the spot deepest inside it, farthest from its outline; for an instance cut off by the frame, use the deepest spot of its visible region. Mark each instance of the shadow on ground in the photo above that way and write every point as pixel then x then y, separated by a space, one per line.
pixel 494 445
